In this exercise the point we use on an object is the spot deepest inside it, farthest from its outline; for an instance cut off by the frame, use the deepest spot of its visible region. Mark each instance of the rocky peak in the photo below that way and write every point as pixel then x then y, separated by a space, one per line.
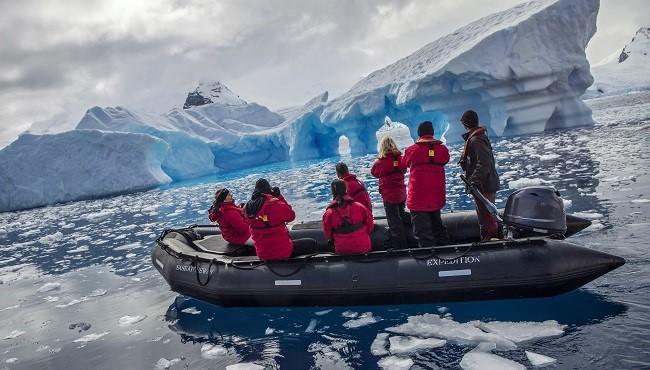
pixel 640 45
pixel 209 92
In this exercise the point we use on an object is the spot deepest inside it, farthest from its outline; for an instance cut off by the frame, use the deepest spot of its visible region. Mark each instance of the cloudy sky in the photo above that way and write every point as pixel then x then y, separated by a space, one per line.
pixel 58 58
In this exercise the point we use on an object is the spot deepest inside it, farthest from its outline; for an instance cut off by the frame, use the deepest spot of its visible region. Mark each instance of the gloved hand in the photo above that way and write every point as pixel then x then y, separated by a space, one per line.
pixel 242 205
pixel 275 191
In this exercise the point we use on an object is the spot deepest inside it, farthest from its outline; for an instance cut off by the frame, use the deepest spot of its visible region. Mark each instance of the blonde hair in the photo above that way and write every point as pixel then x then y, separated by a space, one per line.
pixel 386 146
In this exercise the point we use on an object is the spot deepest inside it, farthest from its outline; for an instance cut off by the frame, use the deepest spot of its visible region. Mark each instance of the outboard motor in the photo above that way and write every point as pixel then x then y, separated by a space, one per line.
pixel 536 210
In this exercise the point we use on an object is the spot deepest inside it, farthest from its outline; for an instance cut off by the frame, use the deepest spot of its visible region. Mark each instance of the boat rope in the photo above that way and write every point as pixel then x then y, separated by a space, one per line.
pixel 300 267
pixel 433 253
pixel 195 263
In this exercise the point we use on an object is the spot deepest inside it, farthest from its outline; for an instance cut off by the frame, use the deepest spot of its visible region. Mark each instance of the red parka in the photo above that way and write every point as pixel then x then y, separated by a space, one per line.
pixel 357 190
pixel 426 160
pixel 270 234
pixel 390 172
pixel 354 238
pixel 231 221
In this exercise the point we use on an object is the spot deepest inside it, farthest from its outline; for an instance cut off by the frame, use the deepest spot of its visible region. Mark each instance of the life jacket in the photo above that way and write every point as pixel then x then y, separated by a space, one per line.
pixel 347 227
pixel 432 155
pixel 263 217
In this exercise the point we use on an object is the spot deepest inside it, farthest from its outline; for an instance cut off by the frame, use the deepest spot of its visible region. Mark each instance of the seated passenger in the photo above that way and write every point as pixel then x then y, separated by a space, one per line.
pixel 356 189
pixel 229 218
pixel 267 214
pixel 346 223
pixel 390 172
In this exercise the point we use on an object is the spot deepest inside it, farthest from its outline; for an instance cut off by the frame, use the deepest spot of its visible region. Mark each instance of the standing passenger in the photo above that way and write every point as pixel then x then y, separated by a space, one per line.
pixel 346 223
pixel 477 160
pixel 426 196
pixel 267 214
pixel 390 171
pixel 356 189
pixel 229 217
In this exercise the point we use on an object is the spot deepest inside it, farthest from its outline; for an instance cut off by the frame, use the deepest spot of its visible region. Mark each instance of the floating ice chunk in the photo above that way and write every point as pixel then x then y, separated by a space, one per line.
pixel 321 313
pixel 48 287
pixel 539 360
pixel 99 216
pixel 364 319
pixel 98 293
pixel 525 182
pixel 52 238
pixel 399 345
pixel 549 157
pixel 640 201
pixel 71 303
pixel 14 334
pixel 523 331
pixel 588 215
pixel 83 248
pixel 129 246
pixel 51 299
pixel 350 314
pixel 212 351
pixel 269 331
pixel 191 311
pixel 82 326
pixel 431 325
pixel 443 310
pixel 165 364
pixel 311 326
pixel 245 366
pixel 395 363
pixel 130 320
pixel 12 360
pixel 133 332
pixel 68 226
pixel 90 337
pixel 378 346
pixel 481 359
pixel 567 203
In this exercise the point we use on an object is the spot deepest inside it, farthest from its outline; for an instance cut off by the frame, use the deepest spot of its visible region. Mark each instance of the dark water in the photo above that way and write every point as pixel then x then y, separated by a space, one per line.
pixel 108 308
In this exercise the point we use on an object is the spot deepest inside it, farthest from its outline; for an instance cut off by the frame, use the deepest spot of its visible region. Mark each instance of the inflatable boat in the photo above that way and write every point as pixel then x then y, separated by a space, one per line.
pixel 534 261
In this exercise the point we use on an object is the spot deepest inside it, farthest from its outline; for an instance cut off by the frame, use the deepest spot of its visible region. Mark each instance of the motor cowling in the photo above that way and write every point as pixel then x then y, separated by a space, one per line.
pixel 536 209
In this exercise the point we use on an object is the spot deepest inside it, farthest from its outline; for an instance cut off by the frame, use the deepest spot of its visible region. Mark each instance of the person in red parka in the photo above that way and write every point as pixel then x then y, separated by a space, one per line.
pixel 356 189
pixel 229 217
pixel 390 171
pixel 426 160
pixel 267 214
pixel 346 223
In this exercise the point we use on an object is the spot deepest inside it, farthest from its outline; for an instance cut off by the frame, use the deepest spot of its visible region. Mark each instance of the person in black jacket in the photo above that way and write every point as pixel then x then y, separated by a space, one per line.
pixel 477 160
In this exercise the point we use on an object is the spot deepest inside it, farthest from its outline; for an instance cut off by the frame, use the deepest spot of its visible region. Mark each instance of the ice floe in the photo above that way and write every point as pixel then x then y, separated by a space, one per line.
pixel 523 331
pixel 395 363
pixel 480 358
pixel 97 293
pixel 311 326
pixel 539 360
pixel 350 314
pixel 165 364
pixel 399 344
pixel 364 319
pixel 269 331
pixel 378 346
pixel 14 334
pixel 90 337
pixel 321 313
pixel 48 287
pixel 130 320
pixel 12 360
pixel 245 366
pixel 52 238
pixel 212 351
pixel 525 182
pixel 191 311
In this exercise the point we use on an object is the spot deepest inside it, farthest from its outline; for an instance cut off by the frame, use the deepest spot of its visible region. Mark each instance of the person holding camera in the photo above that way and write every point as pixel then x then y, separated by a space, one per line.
pixel 229 218
pixel 267 213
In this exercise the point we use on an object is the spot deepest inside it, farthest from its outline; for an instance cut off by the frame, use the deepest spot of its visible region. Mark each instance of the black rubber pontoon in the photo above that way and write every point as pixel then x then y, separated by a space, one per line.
pixel 197 262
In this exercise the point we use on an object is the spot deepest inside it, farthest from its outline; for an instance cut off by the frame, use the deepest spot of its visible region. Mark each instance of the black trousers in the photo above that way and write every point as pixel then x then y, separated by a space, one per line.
pixel 398 219
pixel 428 229
pixel 304 246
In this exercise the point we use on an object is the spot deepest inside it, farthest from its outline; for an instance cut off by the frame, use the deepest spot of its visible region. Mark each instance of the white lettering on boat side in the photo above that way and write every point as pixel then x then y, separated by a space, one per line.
pixel 449 273
pixel 455 261
pixel 288 282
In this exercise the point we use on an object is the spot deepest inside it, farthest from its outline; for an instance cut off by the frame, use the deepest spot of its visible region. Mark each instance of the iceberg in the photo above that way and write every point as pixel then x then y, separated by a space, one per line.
pixel 523 70
pixel 625 71
pixel 80 164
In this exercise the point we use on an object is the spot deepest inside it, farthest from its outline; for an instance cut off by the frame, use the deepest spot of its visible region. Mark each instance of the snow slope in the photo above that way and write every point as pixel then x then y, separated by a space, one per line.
pixel 624 72
pixel 36 169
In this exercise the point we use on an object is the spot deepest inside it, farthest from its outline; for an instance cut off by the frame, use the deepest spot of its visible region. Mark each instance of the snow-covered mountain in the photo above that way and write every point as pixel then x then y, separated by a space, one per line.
pixel 212 92
pixel 624 71
pixel 523 70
